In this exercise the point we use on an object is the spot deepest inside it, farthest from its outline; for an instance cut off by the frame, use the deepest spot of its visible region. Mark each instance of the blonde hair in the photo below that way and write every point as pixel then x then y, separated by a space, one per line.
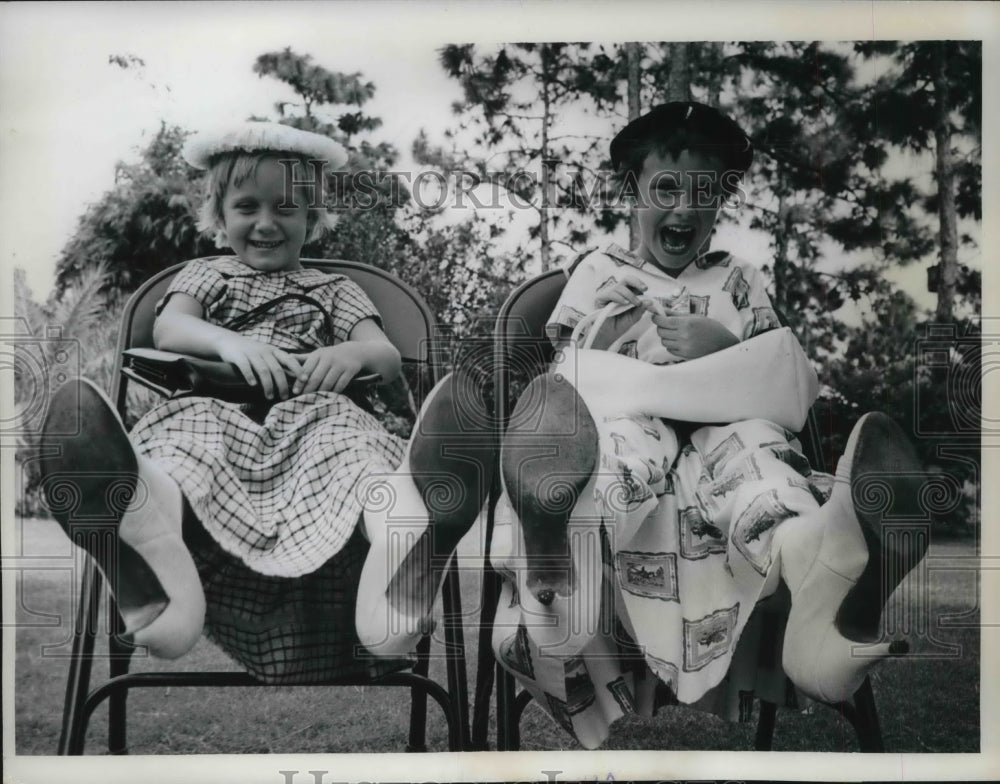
pixel 233 169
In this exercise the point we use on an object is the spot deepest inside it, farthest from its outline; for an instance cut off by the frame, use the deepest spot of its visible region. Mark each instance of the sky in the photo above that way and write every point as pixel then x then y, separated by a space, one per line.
pixel 68 114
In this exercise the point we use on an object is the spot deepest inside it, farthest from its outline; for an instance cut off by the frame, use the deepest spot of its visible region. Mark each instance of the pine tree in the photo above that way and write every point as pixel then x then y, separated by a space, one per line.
pixel 516 99
pixel 932 102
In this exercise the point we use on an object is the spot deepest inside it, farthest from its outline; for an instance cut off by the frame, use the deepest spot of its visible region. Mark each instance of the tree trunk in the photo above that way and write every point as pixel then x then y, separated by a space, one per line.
pixel 948 228
pixel 781 256
pixel 543 208
pixel 714 53
pixel 679 84
pixel 633 55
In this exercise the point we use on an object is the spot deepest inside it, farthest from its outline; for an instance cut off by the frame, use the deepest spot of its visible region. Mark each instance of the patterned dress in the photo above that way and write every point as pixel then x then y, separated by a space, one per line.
pixel 677 551
pixel 278 495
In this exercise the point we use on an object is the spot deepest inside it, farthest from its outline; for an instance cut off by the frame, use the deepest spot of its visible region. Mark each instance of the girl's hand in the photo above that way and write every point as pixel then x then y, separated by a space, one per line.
pixel 330 369
pixel 690 336
pixel 624 292
pixel 259 362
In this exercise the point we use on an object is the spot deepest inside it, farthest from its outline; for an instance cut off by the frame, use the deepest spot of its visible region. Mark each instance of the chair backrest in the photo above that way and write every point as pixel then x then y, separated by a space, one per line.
pixel 521 347
pixel 407 320
pixel 523 350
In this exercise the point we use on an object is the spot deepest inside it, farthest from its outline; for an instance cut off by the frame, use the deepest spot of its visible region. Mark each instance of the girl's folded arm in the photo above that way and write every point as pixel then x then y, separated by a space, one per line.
pixel 181 327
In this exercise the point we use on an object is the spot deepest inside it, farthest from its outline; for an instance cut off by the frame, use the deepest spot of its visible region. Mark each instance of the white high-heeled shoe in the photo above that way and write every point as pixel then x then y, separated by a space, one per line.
pixel 569 617
pixel 126 513
pixel 839 571
pixel 415 517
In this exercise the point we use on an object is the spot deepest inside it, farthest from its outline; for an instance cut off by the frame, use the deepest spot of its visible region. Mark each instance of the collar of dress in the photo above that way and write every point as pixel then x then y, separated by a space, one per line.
pixel 304 278
pixel 707 259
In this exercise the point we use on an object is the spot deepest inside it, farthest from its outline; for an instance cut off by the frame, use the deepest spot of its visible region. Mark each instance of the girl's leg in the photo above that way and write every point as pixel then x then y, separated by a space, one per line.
pixel 126 512
pixel 840 569
pixel 415 516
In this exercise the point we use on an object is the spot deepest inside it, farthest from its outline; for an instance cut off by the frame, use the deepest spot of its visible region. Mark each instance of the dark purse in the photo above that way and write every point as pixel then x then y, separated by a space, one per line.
pixel 173 375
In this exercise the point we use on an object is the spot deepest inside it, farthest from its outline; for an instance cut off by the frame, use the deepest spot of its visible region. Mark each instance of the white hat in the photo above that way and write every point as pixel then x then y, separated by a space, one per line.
pixel 260 137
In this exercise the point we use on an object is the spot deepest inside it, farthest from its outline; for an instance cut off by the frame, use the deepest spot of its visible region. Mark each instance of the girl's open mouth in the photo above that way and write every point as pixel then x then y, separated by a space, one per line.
pixel 675 239
pixel 263 245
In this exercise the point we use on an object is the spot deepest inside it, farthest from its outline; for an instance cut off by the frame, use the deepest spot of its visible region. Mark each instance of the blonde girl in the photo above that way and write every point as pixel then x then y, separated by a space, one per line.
pixel 255 525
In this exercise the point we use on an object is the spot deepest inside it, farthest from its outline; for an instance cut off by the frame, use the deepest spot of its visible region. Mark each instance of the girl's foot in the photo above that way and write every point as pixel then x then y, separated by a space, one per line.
pixel 126 513
pixel 415 517
pixel 841 567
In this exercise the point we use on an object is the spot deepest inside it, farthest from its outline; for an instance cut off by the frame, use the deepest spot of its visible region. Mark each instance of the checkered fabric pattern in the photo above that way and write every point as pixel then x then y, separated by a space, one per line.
pixel 228 289
pixel 283 495
pixel 288 630
pixel 279 498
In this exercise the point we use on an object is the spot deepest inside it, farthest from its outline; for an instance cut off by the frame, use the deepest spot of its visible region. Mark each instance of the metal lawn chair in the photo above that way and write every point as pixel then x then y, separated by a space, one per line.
pixel 409 325
pixel 522 350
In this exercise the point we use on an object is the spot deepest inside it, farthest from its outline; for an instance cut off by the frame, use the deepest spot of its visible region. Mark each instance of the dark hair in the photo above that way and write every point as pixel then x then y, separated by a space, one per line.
pixel 675 127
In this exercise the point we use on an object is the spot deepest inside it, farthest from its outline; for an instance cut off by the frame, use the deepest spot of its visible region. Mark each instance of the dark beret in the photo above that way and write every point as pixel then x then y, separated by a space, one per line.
pixel 715 133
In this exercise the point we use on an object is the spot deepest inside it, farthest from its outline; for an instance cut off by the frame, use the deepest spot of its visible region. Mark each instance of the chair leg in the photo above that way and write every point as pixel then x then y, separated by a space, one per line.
pixel 508 736
pixel 520 703
pixel 485 664
pixel 81 661
pixel 426 686
pixel 458 681
pixel 866 722
pixel 418 700
pixel 120 656
pixel 765 726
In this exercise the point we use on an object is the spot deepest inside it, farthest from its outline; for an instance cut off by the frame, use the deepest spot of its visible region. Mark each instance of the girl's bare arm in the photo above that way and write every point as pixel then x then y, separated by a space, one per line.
pixel 181 327
pixel 380 355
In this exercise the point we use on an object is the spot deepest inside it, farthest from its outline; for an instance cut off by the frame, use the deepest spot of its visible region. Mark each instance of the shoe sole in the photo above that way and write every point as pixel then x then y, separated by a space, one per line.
pixel 882 454
pixel 446 442
pixel 452 462
pixel 97 469
pixel 545 468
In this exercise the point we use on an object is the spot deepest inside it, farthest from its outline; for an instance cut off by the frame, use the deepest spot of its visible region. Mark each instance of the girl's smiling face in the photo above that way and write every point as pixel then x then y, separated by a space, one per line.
pixel 265 232
pixel 678 206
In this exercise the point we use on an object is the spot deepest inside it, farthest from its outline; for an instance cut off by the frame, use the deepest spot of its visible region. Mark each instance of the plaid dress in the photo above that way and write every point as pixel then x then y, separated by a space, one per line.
pixel 678 551
pixel 279 496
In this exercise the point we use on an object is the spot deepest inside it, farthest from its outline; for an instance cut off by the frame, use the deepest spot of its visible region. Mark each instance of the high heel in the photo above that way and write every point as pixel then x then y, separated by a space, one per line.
pixel 885 467
pixel 126 513
pixel 833 562
pixel 549 456
pixel 415 517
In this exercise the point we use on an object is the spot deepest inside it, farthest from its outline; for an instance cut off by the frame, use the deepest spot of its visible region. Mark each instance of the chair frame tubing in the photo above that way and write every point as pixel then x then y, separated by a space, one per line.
pixel 81 701
pixel 861 713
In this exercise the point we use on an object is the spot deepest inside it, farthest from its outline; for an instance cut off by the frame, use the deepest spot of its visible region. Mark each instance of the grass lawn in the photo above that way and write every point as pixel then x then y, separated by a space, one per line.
pixel 928 701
